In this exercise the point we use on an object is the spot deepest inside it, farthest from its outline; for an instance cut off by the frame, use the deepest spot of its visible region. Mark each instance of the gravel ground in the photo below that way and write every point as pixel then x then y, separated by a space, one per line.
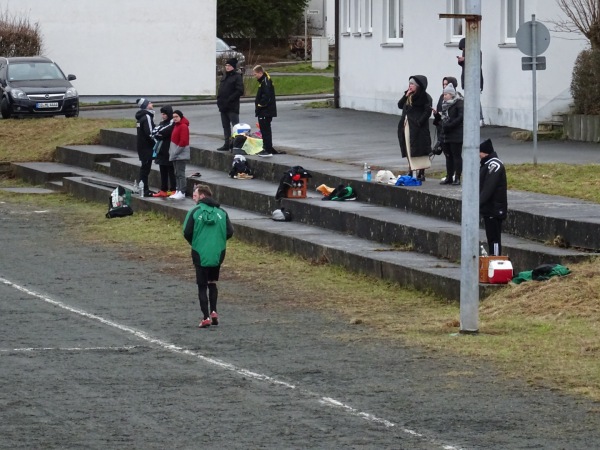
pixel 102 351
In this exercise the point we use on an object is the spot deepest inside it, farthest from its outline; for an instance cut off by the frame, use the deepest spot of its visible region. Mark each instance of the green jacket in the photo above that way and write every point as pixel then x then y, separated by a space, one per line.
pixel 207 228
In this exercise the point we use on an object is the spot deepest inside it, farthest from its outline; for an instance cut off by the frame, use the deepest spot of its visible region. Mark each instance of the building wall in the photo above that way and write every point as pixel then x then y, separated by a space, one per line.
pixel 374 75
pixel 128 47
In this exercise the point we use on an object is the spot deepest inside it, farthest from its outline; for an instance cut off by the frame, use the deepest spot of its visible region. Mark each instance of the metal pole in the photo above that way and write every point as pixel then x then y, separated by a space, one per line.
pixel 469 253
pixel 534 83
pixel 336 56
pixel 306 35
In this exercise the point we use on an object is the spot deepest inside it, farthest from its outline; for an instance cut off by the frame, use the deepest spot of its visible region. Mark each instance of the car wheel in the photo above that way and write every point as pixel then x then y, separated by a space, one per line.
pixel 5 109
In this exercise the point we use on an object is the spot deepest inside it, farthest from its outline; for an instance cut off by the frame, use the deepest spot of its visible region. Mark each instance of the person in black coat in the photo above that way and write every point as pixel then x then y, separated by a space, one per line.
pixel 437 122
pixel 452 134
pixel 493 203
pixel 162 133
pixel 145 144
pixel 461 63
pixel 265 108
pixel 231 88
pixel 416 109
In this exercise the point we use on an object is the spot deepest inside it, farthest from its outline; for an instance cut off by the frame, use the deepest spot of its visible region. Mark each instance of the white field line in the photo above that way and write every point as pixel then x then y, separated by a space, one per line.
pixel 224 365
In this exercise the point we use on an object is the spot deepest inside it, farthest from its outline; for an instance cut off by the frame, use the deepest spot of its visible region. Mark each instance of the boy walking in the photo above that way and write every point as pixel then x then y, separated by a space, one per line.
pixel 207 229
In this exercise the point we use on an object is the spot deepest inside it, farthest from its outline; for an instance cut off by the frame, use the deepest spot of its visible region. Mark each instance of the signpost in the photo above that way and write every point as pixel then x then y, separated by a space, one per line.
pixel 533 39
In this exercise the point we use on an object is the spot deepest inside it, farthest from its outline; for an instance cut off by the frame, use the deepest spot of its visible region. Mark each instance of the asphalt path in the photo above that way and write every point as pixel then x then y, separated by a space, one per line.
pixel 356 137
pixel 100 349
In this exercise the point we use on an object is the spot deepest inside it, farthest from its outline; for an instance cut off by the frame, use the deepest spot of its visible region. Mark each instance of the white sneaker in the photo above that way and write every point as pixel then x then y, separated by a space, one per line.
pixel 179 195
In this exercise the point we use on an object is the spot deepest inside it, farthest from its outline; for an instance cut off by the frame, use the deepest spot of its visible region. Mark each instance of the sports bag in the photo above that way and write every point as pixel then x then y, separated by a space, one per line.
pixel 119 203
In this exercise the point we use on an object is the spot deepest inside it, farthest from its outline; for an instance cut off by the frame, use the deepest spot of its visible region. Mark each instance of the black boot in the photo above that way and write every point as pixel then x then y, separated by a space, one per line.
pixel 421 175
pixel 224 147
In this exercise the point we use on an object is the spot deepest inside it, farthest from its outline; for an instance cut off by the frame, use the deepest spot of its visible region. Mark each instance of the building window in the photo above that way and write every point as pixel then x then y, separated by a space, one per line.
pixel 395 21
pixel 345 16
pixel 358 11
pixel 458 25
pixel 368 16
pixel 514 16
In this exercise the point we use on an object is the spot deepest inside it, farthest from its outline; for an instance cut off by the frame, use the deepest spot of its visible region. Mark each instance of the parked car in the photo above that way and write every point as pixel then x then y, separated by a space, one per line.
pixel 224 52
pixel 36 86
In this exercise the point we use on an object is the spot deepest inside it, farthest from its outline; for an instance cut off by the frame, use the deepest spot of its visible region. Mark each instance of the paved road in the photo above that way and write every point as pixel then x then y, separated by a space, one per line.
pixel 360 136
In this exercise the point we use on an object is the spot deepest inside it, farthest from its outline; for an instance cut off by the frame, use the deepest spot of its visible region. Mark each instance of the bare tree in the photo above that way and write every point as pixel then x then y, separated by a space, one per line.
pixel 583 16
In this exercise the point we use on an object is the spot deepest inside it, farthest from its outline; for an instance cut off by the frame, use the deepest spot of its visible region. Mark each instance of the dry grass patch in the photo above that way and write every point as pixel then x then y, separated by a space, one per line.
pixel 25 140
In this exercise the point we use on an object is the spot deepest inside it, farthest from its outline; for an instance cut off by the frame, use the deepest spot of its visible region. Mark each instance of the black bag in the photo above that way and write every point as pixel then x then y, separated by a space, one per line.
pixel 119 203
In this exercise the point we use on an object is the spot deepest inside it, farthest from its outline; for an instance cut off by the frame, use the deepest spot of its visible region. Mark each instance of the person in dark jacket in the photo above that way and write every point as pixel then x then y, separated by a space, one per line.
pixel 413 128
pixel 145 144
pixel 461 63
pixel 162 133
pixel 493 203
pixel 437 122
pixel 452 134
pixel 231 88
pixel 265 108
pixel 207 228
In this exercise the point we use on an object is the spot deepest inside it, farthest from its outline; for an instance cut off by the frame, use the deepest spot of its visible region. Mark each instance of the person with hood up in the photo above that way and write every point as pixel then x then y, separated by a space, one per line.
pixel 265 108
pixel 452 134
pixel 179 153
pixel 207 228
pixel 145 143
pixel 162 133
pixel 493 202
pixel 413 128
pixel 231 88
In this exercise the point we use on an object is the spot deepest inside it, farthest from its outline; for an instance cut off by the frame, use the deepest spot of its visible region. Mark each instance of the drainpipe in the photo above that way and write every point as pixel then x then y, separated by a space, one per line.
pixel 336 57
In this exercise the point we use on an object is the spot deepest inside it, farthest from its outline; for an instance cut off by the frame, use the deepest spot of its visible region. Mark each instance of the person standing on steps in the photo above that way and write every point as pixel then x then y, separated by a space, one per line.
pixel 461 63
pixel 437 122
pixel 493 203
pixel 207 228
pixel 265 108
pixel 413 129
pixel 179 153
pixel 231 88
pixel 162 133
pixel 145 144
pixel 452 134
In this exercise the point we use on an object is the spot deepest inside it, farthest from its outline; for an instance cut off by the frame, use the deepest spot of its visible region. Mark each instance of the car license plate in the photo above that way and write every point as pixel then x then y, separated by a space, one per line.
pixel 47 105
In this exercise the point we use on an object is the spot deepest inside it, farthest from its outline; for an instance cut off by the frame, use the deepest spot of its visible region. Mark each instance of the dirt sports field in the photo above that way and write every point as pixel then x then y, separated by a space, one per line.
pixel 101 351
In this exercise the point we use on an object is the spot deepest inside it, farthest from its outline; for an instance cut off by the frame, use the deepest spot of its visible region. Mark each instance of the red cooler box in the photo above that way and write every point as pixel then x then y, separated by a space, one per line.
pixel 500 272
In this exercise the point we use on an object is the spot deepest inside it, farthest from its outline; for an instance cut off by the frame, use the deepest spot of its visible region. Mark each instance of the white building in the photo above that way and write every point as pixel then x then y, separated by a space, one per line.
pixel 383 42
pixel 128 47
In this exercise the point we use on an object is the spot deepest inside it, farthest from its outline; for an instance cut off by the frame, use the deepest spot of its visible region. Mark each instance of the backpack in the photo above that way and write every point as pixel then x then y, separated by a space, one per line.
pixel 342 193
pixel 119 203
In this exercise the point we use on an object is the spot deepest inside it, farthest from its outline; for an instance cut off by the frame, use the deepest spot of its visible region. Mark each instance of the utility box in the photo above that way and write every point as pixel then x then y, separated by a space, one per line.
pixel 320 52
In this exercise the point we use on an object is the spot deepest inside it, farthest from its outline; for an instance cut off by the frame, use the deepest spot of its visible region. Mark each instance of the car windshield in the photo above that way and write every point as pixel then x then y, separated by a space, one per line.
pixel 34 71
pixel 222 46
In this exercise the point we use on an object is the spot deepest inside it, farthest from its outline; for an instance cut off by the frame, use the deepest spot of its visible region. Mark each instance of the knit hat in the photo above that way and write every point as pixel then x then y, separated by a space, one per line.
pixel 450 90
pixel 168 110
pixel 143 103
pixel 461 44
pixel 412 81
pixel 232 62
pixel 178 112
pixel 486 147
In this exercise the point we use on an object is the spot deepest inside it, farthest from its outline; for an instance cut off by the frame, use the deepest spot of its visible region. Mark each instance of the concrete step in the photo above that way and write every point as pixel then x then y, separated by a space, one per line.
pixel 539 217
pixel 420 271
pixel 380 224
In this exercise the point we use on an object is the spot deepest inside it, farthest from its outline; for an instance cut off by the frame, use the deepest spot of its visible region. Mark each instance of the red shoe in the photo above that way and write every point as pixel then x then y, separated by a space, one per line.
pixel 214 317
pixel 204 323
pixel 160 194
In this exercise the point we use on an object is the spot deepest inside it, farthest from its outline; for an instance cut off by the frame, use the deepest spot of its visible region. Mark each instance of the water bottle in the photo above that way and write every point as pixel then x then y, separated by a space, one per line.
pixel 369 173
pixel 365 172
pixel 482 251
pixel 141 188
pixel 135 187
